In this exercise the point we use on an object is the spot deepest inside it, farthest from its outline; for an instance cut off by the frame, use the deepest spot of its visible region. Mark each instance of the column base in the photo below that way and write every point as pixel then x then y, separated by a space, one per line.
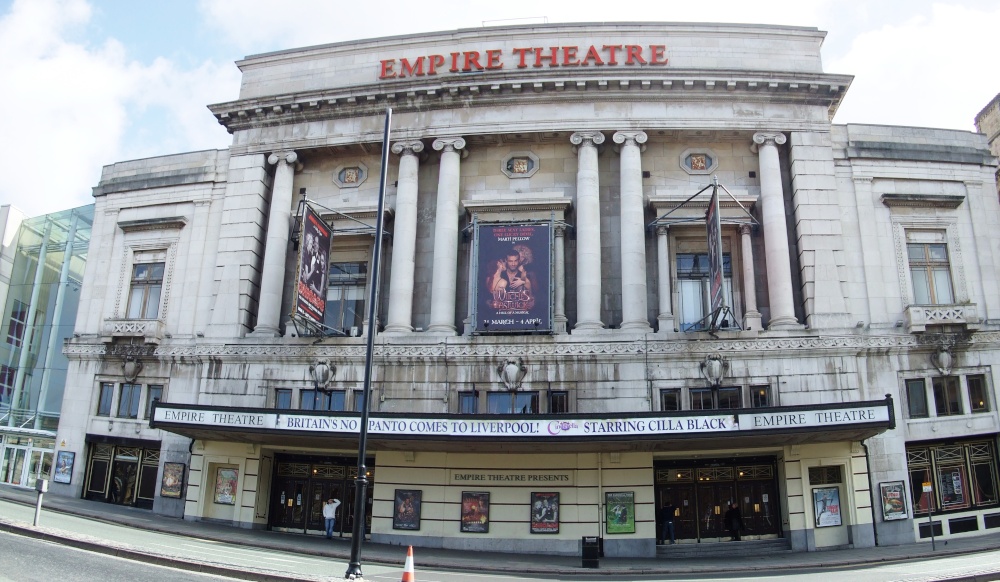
pixel 641 326
pixel 559 325
pixel 752 321
pixel 665 323
pixel 264 331
pixel 397 329
pixel 588 326
pixel 442 330
pixel 784 323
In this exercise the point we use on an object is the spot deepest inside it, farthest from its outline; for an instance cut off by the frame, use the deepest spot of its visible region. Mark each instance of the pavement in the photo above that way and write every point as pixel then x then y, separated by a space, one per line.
pixel 92 533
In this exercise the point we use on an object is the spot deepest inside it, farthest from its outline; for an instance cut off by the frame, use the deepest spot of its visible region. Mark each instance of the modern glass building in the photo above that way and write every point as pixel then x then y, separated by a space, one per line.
pixel 38 315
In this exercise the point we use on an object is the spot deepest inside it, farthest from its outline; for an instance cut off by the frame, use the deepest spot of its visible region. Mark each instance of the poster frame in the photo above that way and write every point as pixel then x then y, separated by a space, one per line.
pixel 826 518
pixel 172 482
pixel 401 518
pixel 544 505
pixel 893 490
pixel 226 479
pixel 63 475
pixel 469 522
pixel 615 503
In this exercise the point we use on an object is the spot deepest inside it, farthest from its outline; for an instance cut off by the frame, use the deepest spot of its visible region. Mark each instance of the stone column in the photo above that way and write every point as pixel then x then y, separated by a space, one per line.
pixel 779 270
pixel 559 309
pixel 665 317
pixel 404 239
pixel 272 277
pixel 588 232
pixel 444 276
pixel 751 317
pixel 633 232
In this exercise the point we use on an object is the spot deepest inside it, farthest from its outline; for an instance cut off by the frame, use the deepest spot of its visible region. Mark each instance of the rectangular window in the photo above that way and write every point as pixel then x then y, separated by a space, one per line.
pixel 701 399
pixel 558 402
pixel 7 377
pixel 128 404
pixel 512 403
pixel 319 400
pixel 670 399
pixel 468 402
pixel 978 398
pixel 345 298
pixel 729 397
pixel 929 268
pixel 283 398
pixel 104 401
pixel 694 289
pixel 18 323
pixel 916 398
pixel 153 394
pixel 963 475
pixel 359 400
pixel 760 396
pixel 947 399
pixel 144 294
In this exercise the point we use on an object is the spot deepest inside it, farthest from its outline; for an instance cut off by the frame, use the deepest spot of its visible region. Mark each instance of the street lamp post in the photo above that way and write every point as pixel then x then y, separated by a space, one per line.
pixel 361 483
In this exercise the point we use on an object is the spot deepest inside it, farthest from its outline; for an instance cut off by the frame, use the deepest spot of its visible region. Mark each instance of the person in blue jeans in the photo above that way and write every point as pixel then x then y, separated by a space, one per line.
pixel 330 515
pixel 667 519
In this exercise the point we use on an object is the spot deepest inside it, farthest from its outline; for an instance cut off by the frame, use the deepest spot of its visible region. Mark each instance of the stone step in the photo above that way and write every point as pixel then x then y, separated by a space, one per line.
pixel 715 549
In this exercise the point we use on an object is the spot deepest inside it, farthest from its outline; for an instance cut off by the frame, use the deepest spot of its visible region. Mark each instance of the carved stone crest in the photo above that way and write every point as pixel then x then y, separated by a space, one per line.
pixel 714 369
pixel 512 372
pixel 942 360
pixel 322 373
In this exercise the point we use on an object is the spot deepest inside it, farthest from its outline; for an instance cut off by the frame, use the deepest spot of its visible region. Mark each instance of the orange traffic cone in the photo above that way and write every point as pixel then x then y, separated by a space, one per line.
pixel 408 575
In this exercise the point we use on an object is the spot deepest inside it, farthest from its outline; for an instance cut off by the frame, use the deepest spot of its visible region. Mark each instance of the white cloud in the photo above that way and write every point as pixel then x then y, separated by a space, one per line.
pixel 932 70
pixel 68 108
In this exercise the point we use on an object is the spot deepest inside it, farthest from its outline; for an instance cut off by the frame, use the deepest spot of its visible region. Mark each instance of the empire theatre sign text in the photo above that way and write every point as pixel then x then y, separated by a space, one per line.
pixel 522 58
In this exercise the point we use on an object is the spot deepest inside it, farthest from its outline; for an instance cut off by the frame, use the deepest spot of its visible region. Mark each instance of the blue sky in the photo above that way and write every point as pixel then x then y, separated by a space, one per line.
pixel 88 83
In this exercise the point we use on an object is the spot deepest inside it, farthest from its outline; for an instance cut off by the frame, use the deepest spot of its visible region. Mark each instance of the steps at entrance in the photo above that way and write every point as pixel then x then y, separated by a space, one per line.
pixel 723 549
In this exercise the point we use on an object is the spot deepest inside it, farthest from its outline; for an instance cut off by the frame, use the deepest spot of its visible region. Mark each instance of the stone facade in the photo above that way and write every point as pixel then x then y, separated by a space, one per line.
pixel 858 270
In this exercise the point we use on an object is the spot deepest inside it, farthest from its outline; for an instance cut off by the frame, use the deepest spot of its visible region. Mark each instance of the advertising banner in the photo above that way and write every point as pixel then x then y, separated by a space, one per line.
pixel 893 500
pixel 310 288
pixel 406 509
pixel 827 503
pixel 714 226
pixel 513 281
pixel 544 513
pixel 475 512
pixel 619 507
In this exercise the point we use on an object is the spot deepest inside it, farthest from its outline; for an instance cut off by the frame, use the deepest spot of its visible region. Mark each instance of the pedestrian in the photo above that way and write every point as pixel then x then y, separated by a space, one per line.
pixel 734 521
pixel 330 515
pixel 667 519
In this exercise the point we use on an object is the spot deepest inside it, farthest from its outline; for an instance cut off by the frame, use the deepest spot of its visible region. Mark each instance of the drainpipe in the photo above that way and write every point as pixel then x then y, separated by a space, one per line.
pixel 871 491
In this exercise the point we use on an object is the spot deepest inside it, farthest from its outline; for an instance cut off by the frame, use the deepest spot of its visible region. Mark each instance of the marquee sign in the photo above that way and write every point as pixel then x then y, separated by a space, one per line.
pixel 609 55
pixel 533 428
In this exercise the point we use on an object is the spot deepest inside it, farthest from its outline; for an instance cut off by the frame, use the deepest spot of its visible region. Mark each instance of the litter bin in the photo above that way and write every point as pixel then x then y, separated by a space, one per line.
pixel 591 552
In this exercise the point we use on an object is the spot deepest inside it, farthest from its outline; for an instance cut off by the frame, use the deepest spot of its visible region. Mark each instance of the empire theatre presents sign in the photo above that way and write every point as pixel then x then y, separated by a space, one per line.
pixel 513 278
pixel 603 55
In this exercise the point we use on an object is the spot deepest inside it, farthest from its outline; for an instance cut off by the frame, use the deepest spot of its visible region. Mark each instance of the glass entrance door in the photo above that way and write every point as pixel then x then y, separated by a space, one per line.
pixel 14 465
pixel 301 486
pixel 288 505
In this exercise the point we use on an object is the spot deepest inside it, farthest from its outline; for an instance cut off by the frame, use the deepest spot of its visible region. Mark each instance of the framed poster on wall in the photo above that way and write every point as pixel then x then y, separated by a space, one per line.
pixel 544 513
pixel 406 509
pixel 64 467
pixel 893 496
pixel 826 501
pixel 475 512
pixel 173 480
pixel 619 508
pixel 225 485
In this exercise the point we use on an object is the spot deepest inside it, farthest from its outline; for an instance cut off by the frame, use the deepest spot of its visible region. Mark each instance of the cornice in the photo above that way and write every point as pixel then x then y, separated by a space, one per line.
pixel 641 84
pixel 354 348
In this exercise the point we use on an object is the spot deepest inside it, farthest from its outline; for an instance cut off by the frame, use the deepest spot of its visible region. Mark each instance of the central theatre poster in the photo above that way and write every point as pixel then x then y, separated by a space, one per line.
pixel 513 279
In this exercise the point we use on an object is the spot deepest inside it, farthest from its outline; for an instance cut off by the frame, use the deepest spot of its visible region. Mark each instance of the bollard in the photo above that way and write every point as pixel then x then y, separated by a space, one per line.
pixel 42 486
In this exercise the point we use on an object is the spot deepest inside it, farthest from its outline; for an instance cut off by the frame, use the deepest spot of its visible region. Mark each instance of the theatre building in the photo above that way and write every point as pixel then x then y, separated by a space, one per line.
pixel 624 264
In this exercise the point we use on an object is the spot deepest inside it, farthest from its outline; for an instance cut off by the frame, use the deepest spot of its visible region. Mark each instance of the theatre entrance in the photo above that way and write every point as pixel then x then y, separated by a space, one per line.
pixel 302 485
pixel 702 491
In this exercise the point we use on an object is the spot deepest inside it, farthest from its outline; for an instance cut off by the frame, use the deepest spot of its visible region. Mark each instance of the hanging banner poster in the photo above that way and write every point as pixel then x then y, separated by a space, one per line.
pixel 513 284
pixel 893 500
pixel 544 513
pixel 475 512
pixel 310 288
pixel 714 226
pixel 619 507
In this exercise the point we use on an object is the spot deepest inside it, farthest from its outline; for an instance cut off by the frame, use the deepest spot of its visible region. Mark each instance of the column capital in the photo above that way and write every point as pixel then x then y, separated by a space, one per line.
pixel 770 138
pixel 559 230
pixel 746 229
pixel 287 157
pixel 407 148
pixel 630 137
pixel 662 229
pixel 448 144
pixel 587 138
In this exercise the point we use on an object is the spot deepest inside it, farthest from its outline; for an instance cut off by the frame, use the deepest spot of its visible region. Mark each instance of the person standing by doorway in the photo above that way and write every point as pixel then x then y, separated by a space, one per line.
pixel 734 521
pixel 330 515
pixel 667 520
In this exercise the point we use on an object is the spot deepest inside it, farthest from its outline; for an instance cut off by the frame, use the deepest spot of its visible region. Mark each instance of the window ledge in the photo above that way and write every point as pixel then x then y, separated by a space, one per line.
pixel 919 317
pixel 151 330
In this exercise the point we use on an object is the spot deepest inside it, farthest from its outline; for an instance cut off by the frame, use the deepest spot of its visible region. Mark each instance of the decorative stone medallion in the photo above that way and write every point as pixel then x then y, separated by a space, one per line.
pixel 350 176
pixel 699 161
pixel 520 165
